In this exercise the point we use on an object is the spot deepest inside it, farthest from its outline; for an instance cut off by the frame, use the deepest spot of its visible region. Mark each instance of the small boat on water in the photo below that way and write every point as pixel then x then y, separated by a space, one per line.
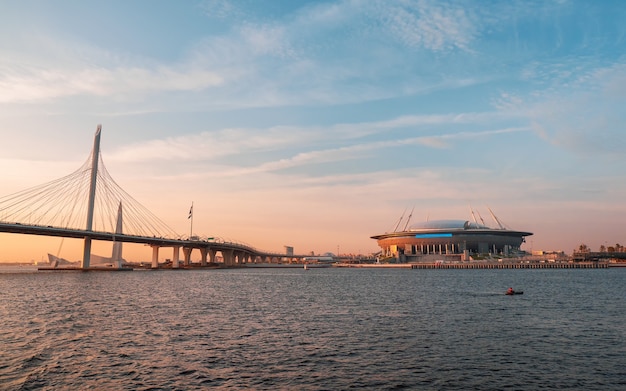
pixel 511 293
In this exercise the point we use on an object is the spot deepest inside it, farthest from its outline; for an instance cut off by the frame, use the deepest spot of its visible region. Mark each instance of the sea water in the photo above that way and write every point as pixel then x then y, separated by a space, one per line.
pixel 316 329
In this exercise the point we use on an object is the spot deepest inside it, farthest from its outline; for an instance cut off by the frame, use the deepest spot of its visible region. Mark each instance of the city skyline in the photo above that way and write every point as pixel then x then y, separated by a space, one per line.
pixel 317 124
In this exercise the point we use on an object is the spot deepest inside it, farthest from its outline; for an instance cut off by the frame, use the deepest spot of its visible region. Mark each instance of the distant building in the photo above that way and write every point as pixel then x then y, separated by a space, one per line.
pixel 288 250
pixel 451 240
pixel 549 255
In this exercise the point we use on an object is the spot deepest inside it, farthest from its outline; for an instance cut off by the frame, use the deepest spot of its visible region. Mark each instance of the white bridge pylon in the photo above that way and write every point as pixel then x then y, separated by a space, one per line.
pixel 117 246
pixel 95 156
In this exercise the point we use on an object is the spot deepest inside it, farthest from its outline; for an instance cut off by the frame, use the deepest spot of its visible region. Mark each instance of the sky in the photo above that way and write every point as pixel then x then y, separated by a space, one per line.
pixel 317 124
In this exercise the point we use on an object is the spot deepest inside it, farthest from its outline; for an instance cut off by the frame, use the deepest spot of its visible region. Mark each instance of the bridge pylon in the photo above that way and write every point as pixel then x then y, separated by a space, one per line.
pixel 92 197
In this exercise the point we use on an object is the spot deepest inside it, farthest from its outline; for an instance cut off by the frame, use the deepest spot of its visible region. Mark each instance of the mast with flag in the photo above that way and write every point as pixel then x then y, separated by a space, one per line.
pixel 190 217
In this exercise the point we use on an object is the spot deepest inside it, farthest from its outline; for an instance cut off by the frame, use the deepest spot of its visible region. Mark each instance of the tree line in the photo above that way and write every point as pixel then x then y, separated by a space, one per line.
pixel 617 248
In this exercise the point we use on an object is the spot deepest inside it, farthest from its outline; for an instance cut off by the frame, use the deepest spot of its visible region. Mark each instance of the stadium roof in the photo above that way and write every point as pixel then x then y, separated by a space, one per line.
pixel 436 225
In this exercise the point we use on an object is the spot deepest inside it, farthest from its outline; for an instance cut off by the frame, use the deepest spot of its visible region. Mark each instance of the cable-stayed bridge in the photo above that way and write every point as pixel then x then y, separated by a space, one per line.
pixel 88 204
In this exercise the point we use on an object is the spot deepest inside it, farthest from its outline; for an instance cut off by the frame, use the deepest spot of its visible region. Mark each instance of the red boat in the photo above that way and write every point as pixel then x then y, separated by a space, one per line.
pixel 511 293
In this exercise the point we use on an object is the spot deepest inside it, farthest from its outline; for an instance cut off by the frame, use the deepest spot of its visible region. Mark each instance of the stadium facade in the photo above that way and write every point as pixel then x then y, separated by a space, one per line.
pixel 449 240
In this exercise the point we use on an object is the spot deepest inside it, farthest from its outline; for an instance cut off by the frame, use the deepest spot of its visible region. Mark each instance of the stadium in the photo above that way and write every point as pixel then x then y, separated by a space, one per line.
pixel 449 240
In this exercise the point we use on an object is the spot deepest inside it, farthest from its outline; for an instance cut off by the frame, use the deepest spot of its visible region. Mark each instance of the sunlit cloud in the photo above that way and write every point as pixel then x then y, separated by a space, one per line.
pixel 241 141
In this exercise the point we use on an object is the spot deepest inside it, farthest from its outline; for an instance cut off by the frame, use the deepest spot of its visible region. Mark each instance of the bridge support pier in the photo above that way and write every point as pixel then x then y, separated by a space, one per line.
pixel 241 257
pixel 86 253
pixel 155 257
pixel 203 254
pixel 175 259
pixel 187 256
pixel 228 257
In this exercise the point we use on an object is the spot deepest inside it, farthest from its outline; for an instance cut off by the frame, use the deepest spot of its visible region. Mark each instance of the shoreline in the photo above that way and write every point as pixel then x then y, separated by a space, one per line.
pixel 485 265
pixel 8 267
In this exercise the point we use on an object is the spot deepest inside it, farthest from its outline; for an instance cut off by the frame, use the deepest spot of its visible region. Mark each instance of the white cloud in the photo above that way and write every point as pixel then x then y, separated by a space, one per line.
pixel 316 55
pixel 587 115
pixel 432 25
pixel 220 9
pixel 213 145
pixel 266 40
pixel 279 148
pixel 37 84
pixel 423 24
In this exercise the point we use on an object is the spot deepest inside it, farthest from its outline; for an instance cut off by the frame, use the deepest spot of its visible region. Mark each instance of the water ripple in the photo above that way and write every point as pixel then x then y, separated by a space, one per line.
pixel 325 329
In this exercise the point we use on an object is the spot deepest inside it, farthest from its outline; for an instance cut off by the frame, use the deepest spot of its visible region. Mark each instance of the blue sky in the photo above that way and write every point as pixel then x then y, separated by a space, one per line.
pixel 317 123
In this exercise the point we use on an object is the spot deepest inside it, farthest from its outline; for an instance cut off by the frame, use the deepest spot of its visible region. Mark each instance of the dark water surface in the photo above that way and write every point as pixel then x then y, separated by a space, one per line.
pixel 321 329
